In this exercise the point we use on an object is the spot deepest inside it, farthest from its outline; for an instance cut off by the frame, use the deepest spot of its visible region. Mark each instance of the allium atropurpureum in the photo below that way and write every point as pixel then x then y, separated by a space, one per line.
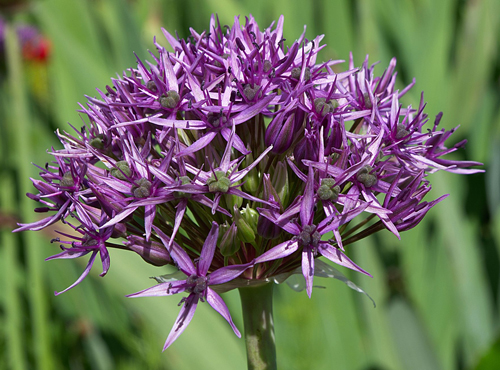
pixel 240 161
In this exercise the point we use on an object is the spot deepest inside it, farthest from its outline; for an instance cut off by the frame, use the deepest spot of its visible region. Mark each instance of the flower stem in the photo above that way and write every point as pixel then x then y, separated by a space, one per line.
pixel 257 306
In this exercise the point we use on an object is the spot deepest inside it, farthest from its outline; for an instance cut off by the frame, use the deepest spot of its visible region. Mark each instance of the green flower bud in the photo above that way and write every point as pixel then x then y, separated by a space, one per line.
pixel 251 216
pixel 334 104
pixel 251 183
pixel 218 182
pixel 245 232
pixel 280 182
pixel 121 171
pixel 230 244
pixel 328 190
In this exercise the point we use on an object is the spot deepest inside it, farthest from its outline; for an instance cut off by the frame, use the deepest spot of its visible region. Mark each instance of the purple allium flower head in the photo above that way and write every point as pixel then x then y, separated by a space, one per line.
pixel 239 160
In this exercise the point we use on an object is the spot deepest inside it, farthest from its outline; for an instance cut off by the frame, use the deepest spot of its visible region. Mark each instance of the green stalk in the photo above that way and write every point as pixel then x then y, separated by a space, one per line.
pixel 21 144
pixel 257 306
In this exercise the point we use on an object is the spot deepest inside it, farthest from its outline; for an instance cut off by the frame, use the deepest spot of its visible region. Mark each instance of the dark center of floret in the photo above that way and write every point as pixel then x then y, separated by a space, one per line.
pixel 365 177
pixel 143 188
pixel 218 182
pixel 401 131
pixel 196 284
pixel 67 180
pixel 309 236
pixel 97 141
pixel 170 99
pixel 328 190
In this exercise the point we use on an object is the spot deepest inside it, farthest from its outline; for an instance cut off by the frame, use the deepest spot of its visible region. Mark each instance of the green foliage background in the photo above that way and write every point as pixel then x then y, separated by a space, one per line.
pixel 437 290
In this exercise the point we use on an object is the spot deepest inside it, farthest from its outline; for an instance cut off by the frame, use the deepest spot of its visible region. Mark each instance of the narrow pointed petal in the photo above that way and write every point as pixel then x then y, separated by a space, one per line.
pixel 163 289
pixel 198 144
pixel 308 269
pixel 207 253
pixel 280 251
pixel 228 273
pixel 218 305
pixel 336 255
pixel 183 320
pixel 178 254
pixel 82 276
pixel 307 206
pixel 149 216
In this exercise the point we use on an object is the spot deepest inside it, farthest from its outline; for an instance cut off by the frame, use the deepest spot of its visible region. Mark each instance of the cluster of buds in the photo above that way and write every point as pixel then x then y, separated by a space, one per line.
pixel 240 160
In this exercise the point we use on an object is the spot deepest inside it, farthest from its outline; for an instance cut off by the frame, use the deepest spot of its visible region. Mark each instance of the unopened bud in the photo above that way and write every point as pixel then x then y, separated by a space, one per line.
pixel 230 244
pixel 245 232
pixel 280 134
pixel 251 183
pixel 280 182
pixel 152 252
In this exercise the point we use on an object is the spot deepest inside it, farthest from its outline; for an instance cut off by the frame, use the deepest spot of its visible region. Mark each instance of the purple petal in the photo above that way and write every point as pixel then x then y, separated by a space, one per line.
pixel 198 144
pixel 184 124
pixel 218 305
pixel 38 225
pixel 183 320
pixel 179 215
pixel 307 206
pixel 336 255
pixel 119 217
pixel 253 110
pixel 280 251
pixel 208 250
pixel 228 273
pixel 308 269
pixel 177 253
pixel 149 216
pixel 83 275
pixel 163 289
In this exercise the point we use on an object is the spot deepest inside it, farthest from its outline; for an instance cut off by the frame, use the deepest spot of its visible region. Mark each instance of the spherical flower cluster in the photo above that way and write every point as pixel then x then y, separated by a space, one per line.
pixel 240 160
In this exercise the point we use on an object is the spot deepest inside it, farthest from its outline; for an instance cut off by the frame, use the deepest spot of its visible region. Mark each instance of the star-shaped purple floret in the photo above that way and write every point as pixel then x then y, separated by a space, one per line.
pixel 307 236
pixel 197 283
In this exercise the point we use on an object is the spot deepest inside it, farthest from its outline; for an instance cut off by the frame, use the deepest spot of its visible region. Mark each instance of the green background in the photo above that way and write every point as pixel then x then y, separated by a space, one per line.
pixel 437 290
